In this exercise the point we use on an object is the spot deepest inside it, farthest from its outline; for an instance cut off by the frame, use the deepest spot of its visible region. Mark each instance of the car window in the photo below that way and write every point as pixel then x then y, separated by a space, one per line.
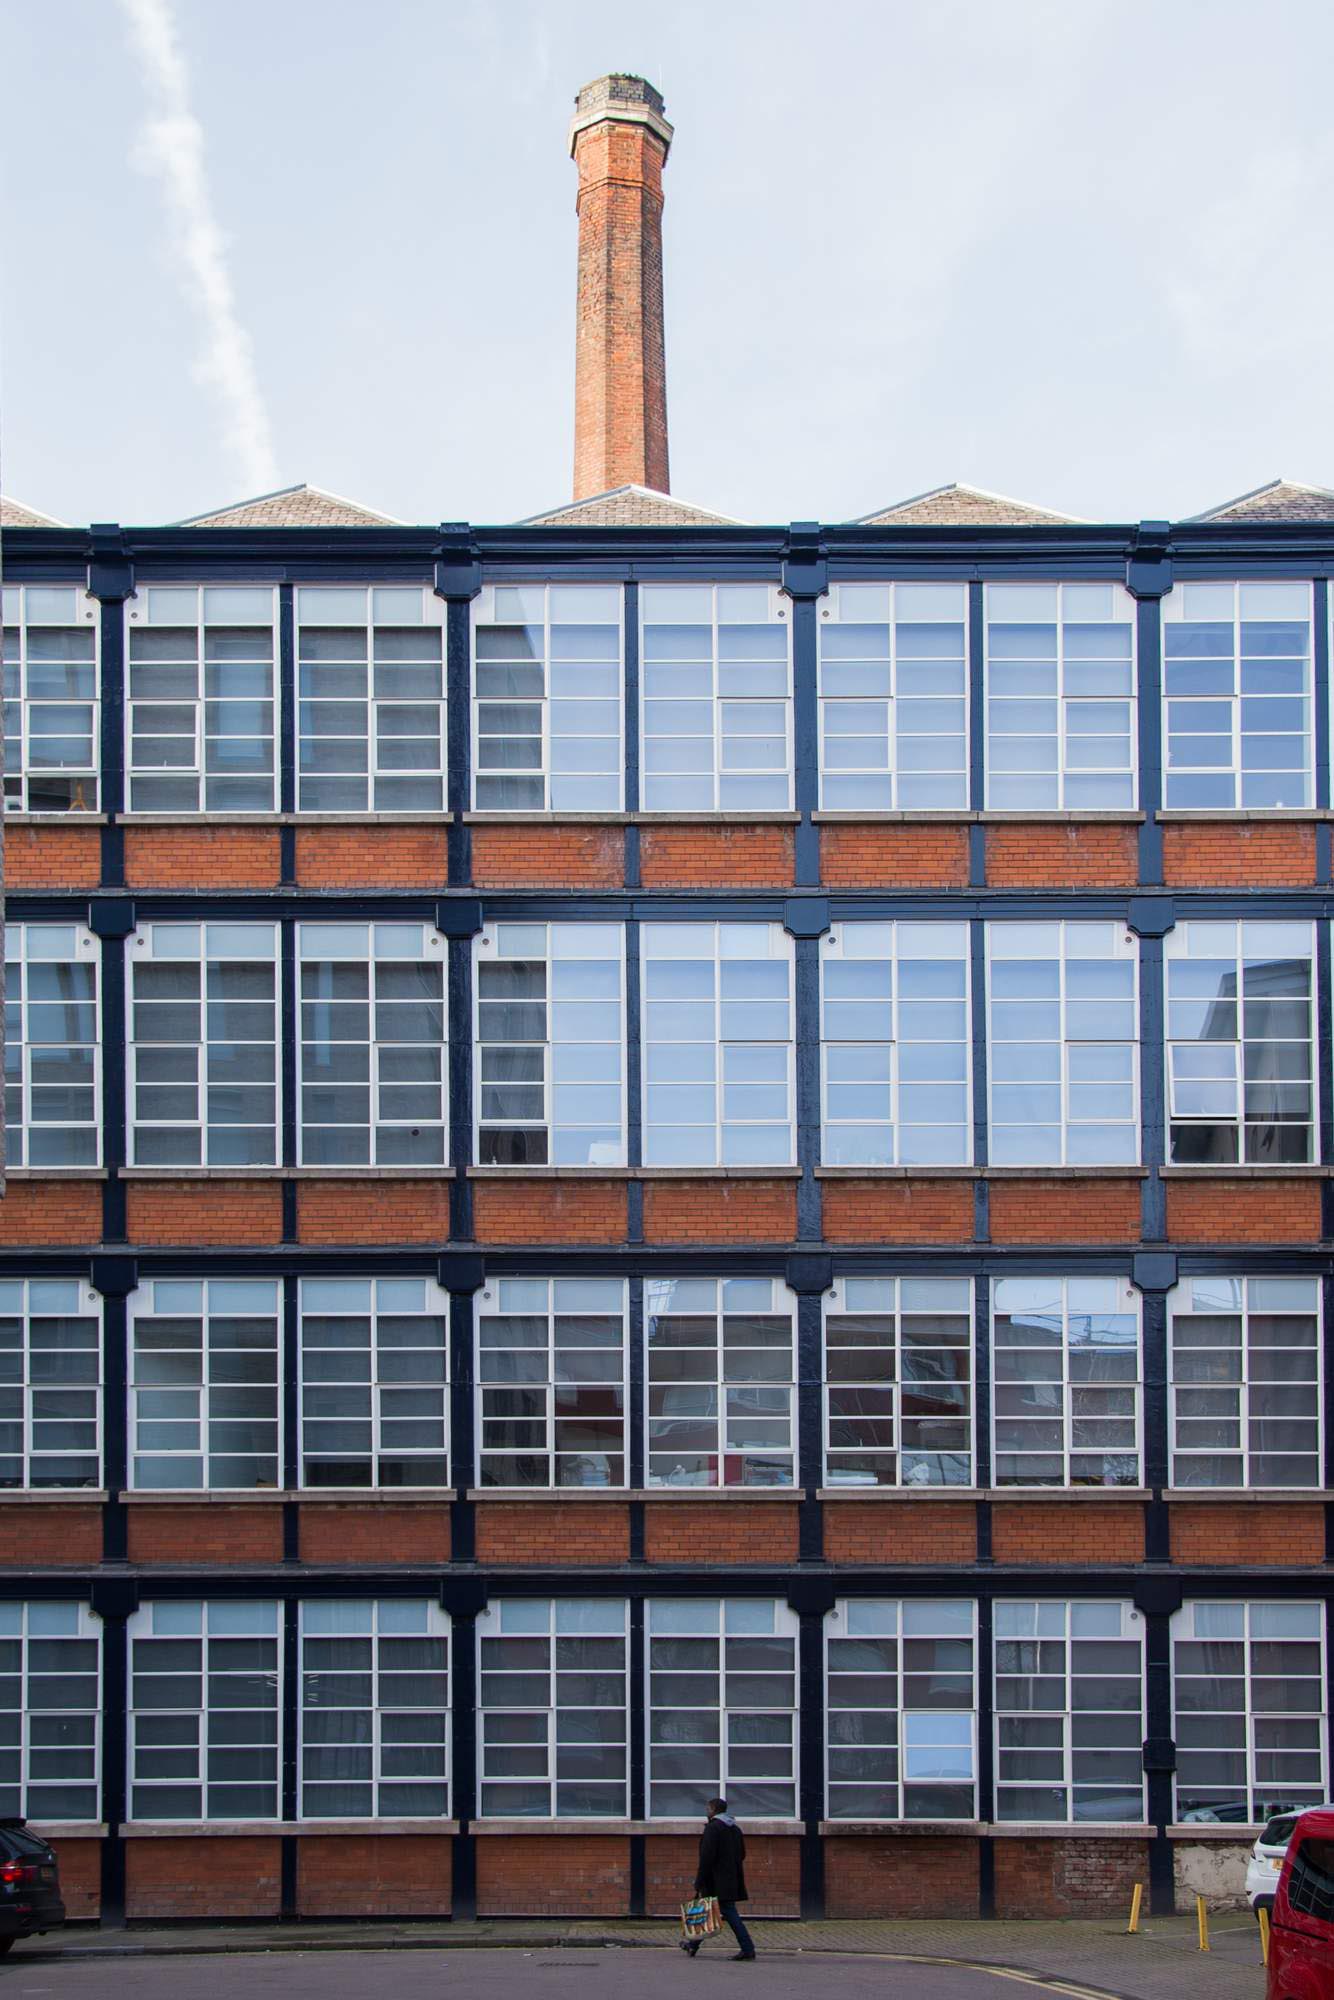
pixel 1279 1831
pixel 18 1840
pixel 1311 1880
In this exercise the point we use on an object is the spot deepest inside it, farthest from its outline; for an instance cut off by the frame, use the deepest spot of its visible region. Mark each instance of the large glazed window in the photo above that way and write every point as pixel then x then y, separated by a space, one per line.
pixel 374 1382
pixel 722 1706
pixel 372 1069
pixel 374 1709
pixel 50 1382
pixel 551 1036
pixel 51 694
pixel 1062 1048
pixel 1060 697
pixel 1066 1371
pixel 717 698
pixel 52 1043
pixel 204 1045
pixel 721 1370
pixel 370 699
pixel 894 697
pixel 1248 1685
pixel 1246 1382
pixel 204 1709
pixel 201 699
pixel 898 1382
pixel 549 698
pixel 1237 695
pixel 718 1045
pixel 1069 1697
pixel 553 1694
pixel 902 1709
pixel 1240 1042
pixel 204 1382
pixel 896 1045
pixel 551 1381
pixel 50 1710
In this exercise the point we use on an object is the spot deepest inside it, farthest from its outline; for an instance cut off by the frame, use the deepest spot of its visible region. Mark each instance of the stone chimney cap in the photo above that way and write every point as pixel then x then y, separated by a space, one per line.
pixel 621 100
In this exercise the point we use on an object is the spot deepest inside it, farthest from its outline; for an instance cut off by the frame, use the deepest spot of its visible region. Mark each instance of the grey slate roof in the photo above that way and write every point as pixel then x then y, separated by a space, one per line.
pixel 628 507
pixel 964 506
pixel 1279 500
pixel 13 514
pixel 291 507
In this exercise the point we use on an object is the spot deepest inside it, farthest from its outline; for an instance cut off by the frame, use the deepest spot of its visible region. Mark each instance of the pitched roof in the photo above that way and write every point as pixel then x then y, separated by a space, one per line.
pixel 13 514
pixel 964 506
pixel 627 507
pixel 1278 500
pixel 291 507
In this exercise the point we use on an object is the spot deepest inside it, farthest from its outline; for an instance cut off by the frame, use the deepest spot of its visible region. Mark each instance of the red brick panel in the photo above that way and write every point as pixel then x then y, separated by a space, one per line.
pixel 1241 854
pixel 334 1531
pixel 211 1532
pixel 1223 1211
pixel 371 857
pixel 553 1875
pixel 896 1877
pixel 1065 1211
pixel 716 857
pixel 202 857
pixel 911 1531
pixel 542 856
pixel 721 1531
pixel 898 1211
pixel 1042 1531
pixel 197 1213
pixel 390 1211
pixel 1088 855
pixel 80 1876
pixel 519 1211
pixel 53 857
pixel 566 1533
pixel 37 1535
pixel 1068 1877
pixel 773 1874
pixel 864 855
pixel 63 1212
pixel 707 1211
pixel 396 1875
pixel 1220 1533
pixel 230 1876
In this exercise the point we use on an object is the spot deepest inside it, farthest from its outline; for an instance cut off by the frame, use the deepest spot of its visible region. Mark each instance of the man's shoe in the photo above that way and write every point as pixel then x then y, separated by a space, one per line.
pixel 690 1946
pixel 743 1958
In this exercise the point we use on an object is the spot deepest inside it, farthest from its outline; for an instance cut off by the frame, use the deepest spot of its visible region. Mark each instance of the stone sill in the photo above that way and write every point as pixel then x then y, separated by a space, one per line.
pixel 55 1174
pixel 68 1829
pixel 990 817
pixel 545 1495
pixel 878 1494
pixel 829 816
pixel 1225 816
pixel 1233 1496
pixel 1068 1830
pixel 594 1826
pixel 1029 1494
pixel 1238 1830
pixel 548 818
pixel 1298 1171
pixel 212 1829
pixel 163 1174
pixel 899 1173
pixel 519 1173
pixel 1066 1173
pixel 55 819
pixel 284 819
pixel 42 1496
pixel 897 1828
pixel 1120 817
pixel 216 1496
pixel 1022 1494
pixel 715 819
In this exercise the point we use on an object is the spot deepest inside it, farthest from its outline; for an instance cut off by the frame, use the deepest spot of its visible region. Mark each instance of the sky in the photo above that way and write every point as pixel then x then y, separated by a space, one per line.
pixel 1061 249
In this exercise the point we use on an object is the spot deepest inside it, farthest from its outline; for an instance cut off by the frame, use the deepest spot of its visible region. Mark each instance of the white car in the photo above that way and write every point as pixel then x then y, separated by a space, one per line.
pixel 1266 1860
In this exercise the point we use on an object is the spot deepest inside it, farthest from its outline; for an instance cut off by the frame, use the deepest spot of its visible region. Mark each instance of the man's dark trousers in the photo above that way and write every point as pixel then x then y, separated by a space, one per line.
pixel 732 1915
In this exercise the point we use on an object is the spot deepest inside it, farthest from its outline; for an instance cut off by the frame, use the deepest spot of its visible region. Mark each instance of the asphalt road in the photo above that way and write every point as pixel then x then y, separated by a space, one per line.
pixel 509 1975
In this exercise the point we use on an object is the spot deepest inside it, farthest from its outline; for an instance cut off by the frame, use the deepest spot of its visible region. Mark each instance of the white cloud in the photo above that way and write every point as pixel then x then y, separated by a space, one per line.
pixel 171 147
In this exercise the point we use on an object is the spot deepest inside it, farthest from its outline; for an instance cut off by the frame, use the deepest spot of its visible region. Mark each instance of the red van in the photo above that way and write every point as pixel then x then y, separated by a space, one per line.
pixel 1301 1938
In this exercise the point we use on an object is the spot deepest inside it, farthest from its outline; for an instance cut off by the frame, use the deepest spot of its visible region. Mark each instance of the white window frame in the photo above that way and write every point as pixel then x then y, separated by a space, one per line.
pixel 1067 705
pixel 729 1785
pixel 69 944
pixel 494 1292
pixel 1183 1629
pixel 779 617
pixel 142 1625
pixel 484 616
pixel 836 1627
pixel 18 752
pixel 87 1627
pixel 490 1624
pixel 1132 1632
pixel 1174 608
pixel 142 1306
pixel 835 1303
pixel 137 618
pixel 1129 1301
pixel 432 614
pixel 892 772
pixel 437 1307
pixel 87 1305
pixel 1182 1457
pixel 783 1303
pixel 437 1627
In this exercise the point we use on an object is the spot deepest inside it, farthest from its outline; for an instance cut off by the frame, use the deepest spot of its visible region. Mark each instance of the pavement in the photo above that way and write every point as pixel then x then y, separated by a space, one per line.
pixel 516 1959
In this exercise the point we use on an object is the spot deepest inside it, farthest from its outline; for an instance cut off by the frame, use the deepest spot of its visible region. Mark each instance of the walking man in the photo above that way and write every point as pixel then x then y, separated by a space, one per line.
pixel 722 1854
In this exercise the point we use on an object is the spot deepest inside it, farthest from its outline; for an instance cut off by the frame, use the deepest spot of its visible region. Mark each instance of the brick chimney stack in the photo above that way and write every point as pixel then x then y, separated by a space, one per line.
pixel 619 140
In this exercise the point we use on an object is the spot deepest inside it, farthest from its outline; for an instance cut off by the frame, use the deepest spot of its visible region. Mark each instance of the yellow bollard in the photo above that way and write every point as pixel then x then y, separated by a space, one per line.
pixel 1264 1936
pixel 1202 1919
pixel 1136 1898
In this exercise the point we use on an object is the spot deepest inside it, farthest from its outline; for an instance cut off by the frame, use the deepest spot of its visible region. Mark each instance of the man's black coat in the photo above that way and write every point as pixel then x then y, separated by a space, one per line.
pixel 722 1854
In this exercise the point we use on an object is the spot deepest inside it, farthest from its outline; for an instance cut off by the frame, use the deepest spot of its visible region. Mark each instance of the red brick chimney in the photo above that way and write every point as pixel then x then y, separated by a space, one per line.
pixel 619 140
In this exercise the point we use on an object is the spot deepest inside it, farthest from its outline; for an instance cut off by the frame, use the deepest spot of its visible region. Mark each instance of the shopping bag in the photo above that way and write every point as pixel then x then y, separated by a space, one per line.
pixel 701 1917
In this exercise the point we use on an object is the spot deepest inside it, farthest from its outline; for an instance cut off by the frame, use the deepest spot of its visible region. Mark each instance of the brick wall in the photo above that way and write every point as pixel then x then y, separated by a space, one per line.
pixel 722 1531
pixel 1068 1877
pixel 864 855
pixel 209 1532
pixel 519 1211
pixel 909 1531
pixel 1065 1211
pixel 56 1212
pixel 53 857
pixel 542 856
pixel 202 857
pixel 565 1533
pixel 565 1875
pixel 80 1876
pixel 1242 855
pixel 1091 855
pixel 716 857
pixel 1048 1531
pixel 231 1876
pixel 204 1212
pixel 371 857
pixel 1211 1210
pixel 373 1532
pixel 916 1211
pixel 32 1536
pixel 885 1876
pixel 1220 1533
pixel 371 1211
pixel 398 1875
pixel 720 1211
pixel 773 1874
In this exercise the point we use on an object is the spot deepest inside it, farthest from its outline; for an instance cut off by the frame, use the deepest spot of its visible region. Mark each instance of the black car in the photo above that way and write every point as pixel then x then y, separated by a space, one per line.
pixel 30 1899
